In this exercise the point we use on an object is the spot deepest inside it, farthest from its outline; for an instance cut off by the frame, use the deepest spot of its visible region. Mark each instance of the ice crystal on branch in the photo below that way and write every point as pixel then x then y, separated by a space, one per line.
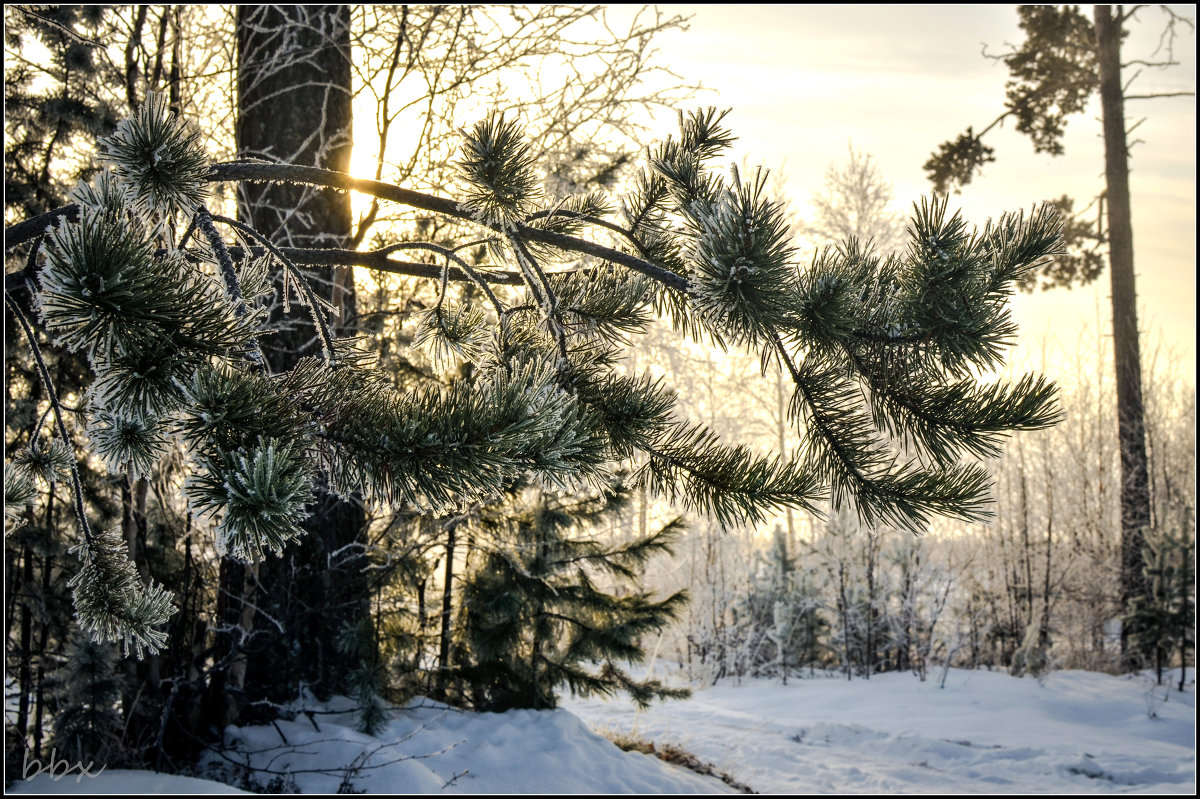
pixel 260 494
pixel 741 259
pixel 46 460
pixel 498 167
pixel 110 601
pixel 158 160
pixel 19 491
pixel 127 443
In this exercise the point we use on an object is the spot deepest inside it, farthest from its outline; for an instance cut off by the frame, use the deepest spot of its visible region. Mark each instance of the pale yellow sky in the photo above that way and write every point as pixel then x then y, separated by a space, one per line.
pixel 805 81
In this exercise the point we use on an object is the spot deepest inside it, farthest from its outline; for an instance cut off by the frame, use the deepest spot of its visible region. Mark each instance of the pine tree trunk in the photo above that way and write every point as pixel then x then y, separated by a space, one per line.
pixel 844 613
pixel 1135 498
pixel 447 595
pixel 541 571
pixel 1044 632
pixel 24 671
pixel 1026 546
pixel 1187 593
pixel 143 677
pixel 39 728
pixel 294 106
pixel 906 599
pixel 872 613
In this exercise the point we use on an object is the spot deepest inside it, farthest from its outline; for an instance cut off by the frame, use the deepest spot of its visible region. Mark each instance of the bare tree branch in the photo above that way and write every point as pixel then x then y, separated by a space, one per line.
pixel 238 171
pixel 1158 94
pixel 31 11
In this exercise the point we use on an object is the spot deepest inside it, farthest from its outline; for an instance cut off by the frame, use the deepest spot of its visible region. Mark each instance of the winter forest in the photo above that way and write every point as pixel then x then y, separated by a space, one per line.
pixel 423 399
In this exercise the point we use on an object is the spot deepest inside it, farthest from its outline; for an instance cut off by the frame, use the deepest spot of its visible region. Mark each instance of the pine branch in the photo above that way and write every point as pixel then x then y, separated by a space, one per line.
pixel 77 487
pixel 478 278
pixel 539 286
pixel 712 252
pixel 239 171
pixel 687 464
pixel 315 304
pixel 110 601
pixel 203 220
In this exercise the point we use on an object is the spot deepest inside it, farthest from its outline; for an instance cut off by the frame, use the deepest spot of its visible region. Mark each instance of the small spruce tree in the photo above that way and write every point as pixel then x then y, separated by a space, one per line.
pixel 87 727
pixel 1164 621
pixel 536 613
pixel 357 644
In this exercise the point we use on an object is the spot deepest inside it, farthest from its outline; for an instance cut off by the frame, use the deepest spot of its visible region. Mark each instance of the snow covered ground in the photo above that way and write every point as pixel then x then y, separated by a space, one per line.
pixel 985 732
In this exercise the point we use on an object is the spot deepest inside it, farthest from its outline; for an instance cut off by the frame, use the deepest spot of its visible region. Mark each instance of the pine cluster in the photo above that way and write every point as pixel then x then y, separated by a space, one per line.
pixel 883 352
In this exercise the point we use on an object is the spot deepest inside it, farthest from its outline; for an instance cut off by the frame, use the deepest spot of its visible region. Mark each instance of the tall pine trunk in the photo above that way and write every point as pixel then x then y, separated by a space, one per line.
pixel 443 670
pixel 1135 497
pixel 870 655
pixel 294 106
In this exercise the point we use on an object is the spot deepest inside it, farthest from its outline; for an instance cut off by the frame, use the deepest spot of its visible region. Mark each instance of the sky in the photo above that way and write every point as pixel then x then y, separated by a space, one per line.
pixel 806 82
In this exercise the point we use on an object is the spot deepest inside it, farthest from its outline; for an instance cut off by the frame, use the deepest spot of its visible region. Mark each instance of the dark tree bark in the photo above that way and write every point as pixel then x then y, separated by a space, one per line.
pixel 447 594
pixel 1135 495
pixel 294 106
